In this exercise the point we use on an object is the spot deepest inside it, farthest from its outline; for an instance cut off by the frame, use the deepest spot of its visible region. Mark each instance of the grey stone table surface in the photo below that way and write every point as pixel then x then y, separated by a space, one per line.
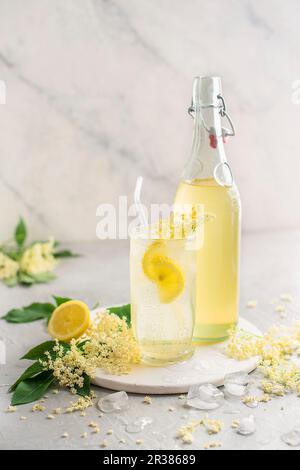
pixel 270 266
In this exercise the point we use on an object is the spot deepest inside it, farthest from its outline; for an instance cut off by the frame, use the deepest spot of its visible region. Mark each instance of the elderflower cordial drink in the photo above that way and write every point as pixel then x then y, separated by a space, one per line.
pixel 163 266
pixel 208 184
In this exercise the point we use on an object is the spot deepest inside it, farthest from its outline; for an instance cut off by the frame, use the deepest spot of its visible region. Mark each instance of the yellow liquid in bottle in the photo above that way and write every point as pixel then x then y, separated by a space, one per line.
pixel 217 257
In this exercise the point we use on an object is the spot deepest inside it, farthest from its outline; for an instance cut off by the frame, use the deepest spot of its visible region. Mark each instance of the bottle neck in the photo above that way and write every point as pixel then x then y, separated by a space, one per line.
pixel 208 144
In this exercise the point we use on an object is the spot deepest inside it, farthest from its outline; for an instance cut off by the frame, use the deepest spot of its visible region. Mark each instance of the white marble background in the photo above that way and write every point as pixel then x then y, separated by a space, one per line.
pixel 97 92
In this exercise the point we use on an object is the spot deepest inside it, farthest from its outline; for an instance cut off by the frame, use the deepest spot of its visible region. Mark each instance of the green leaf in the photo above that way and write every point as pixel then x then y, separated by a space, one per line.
pixel 65 254
pixel 60 300
pixel 20 233
pixel 33 312
pixel 43 277
pixel 11 282
pixel 29 279
pixel 24 278
pixel 12 252
pixel 31 371
pixel 32 389
pixel 123 312
pixel 86 389
pixel 39 351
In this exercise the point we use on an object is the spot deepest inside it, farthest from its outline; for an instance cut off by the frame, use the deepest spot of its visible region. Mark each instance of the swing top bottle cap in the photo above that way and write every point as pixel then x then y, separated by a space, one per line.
pixel 206 91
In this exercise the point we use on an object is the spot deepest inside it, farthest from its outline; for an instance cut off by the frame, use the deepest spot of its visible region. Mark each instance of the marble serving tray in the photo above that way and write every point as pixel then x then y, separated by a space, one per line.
pixel 208 365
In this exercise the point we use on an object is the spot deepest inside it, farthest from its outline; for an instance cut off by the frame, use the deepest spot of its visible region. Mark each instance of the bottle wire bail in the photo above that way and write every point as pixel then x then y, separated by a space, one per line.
pixel 226 132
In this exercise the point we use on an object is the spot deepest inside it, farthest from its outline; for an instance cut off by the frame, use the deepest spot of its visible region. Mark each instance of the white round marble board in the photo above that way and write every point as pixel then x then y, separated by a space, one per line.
pixel 208 365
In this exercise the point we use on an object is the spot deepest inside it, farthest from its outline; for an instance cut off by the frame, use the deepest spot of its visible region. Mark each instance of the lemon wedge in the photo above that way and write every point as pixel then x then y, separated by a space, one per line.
pixel 70 320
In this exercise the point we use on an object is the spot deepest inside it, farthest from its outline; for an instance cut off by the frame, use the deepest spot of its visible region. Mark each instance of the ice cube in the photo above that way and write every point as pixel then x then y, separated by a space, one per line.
pixel 241 378
pixel 292 438
pixel 113 402
pixel 235 385
pixel 139 424
pixel 204 397
pixel 247 426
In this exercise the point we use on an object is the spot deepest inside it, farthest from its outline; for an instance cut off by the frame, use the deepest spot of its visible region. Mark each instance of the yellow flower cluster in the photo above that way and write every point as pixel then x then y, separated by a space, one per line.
pixel 250 399
pixel 243 345
pixel 212 445
pixel 213 426
pixel 276 349
pixel 68 367
pixel 38 407
pixel 38 258
pixel 109 345
pixel 185 433
pixel 81 404
pixel 272 388
pixel 8 267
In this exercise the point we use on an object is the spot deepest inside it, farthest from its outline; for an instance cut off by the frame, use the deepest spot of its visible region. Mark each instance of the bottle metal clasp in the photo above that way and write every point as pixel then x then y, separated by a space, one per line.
pixel 226 132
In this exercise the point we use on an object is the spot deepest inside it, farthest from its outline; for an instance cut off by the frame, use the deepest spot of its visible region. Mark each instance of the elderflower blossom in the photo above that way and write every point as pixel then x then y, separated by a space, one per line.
pixel 213 426
pixel 187 438
pixel 11 409
pixel 37 407
pixel 235 424
pixel 243 345
pixel 147 400
pixel 276 349
pixel 249 399
pixel 212 445
pixel 109 345
pixel 185 433
pixel 81 404
pixel 273 388
pixel 39 258
pixel 69 367
pixel 8 267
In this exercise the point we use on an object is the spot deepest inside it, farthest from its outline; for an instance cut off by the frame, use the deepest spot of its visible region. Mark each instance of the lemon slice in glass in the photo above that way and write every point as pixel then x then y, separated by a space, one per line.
pixel 70 320
pixel 168 278
pixel 156 248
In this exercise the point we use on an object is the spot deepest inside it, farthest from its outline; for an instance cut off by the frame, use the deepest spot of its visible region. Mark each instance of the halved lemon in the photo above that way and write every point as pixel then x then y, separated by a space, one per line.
pixel 156 248
pixel 70 320
pixel 168 277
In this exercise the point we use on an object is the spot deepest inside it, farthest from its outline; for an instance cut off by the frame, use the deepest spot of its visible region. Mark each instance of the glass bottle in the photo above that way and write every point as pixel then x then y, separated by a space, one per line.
pixel 207 184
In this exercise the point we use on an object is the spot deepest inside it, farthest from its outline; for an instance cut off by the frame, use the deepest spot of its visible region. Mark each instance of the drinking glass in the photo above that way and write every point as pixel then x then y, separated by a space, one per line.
pixel 162 271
